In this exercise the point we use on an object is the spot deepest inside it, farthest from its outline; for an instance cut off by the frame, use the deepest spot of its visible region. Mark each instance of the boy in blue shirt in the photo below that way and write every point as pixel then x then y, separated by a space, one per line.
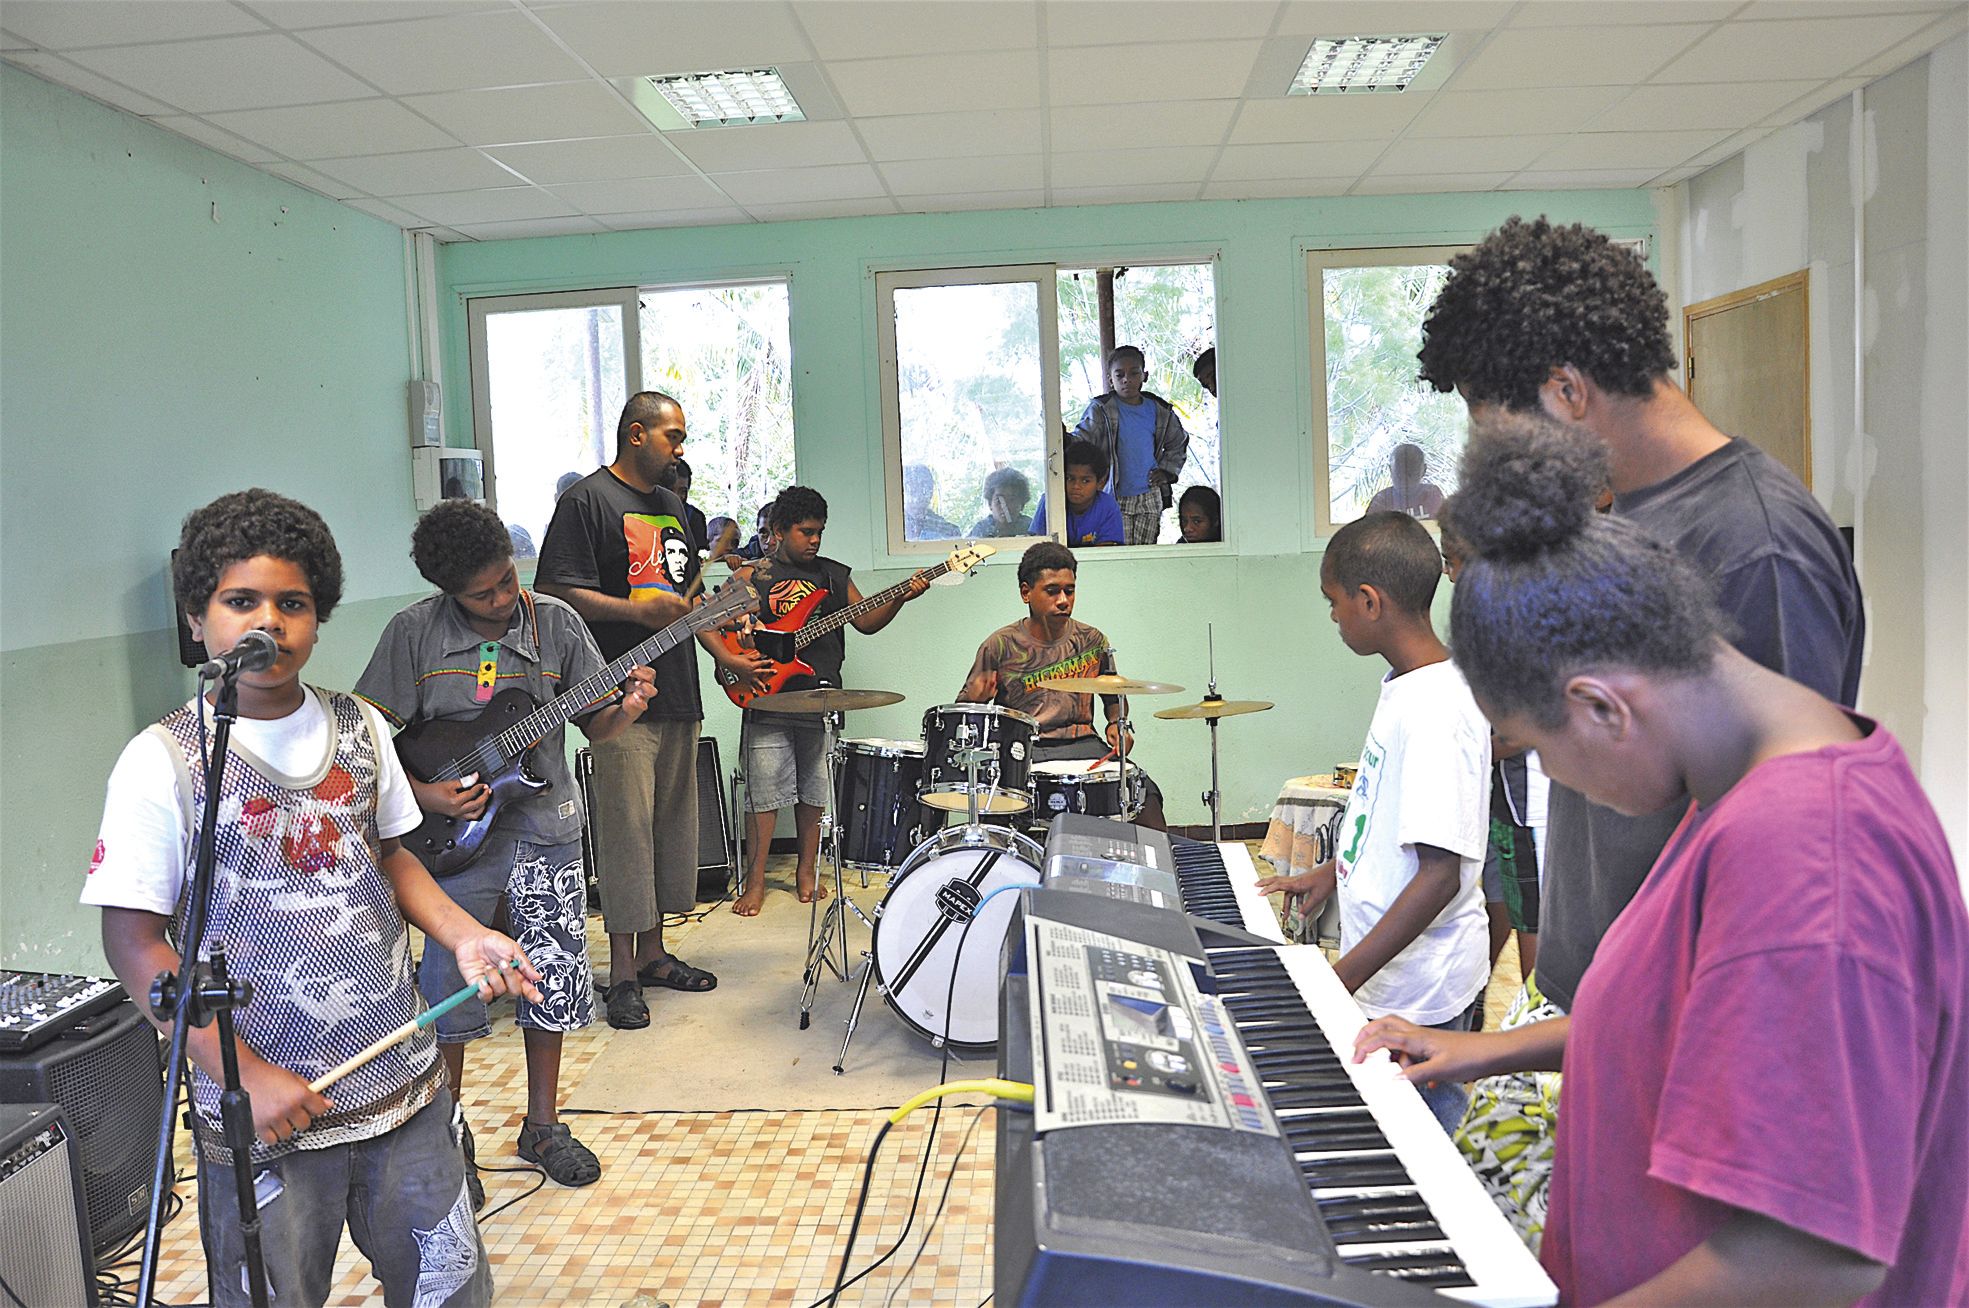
pixel 1093 517
pixel 1142 439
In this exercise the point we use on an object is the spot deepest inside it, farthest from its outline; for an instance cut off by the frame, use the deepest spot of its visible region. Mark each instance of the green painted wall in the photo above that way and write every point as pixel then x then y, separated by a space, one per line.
pixel 1260 588
pixel 173 325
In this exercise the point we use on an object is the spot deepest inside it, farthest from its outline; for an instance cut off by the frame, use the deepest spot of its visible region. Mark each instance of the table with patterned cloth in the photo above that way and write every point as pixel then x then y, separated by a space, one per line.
pixel 1305 824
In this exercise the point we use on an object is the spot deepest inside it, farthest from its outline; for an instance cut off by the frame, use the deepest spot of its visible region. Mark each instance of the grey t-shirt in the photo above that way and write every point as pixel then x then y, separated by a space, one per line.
pixel 1784 578
pixel 427 667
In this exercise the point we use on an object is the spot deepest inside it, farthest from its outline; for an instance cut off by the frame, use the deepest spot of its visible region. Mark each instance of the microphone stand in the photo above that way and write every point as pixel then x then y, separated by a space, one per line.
pixel 195 995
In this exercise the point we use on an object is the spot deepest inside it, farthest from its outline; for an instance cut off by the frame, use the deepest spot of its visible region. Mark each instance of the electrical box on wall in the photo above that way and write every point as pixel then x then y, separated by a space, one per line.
pixel 426 413
pixel 446 473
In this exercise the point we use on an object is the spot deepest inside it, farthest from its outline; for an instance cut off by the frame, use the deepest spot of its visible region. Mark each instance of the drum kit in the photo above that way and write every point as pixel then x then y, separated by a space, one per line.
pixel 937 931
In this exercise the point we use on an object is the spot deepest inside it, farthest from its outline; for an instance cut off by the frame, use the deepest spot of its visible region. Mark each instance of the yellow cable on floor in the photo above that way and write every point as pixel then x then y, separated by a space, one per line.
pixel 1016 1091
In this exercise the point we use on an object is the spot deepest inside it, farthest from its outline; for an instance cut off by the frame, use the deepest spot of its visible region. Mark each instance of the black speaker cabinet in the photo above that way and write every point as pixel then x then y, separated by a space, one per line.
pixel 106 1073
pixel 44 1238
pixel 714 824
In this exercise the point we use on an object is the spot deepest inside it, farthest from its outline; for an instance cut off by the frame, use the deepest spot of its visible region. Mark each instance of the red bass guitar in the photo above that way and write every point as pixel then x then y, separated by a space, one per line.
pixel 782 639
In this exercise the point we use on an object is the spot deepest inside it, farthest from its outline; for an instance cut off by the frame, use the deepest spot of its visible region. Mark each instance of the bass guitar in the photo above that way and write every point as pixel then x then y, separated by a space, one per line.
pixel 782 639
pixel 497 741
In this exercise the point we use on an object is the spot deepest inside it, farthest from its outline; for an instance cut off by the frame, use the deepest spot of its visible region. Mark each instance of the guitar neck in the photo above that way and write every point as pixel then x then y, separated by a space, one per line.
pixel 833 622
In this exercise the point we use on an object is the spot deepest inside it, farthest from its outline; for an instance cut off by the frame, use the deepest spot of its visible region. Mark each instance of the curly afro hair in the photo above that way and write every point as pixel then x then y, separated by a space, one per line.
pixel 1046 556
pixel 1391 552
pixel 797 504
pixel 1533 296
pixel 1552 588
pixel 245 525
pixel 455 541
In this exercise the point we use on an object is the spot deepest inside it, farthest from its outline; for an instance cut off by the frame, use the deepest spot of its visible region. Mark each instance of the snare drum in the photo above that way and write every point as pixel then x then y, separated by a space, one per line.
pixel 1070 786
pixel 921 920
pixel 875 785
pixel 1001 786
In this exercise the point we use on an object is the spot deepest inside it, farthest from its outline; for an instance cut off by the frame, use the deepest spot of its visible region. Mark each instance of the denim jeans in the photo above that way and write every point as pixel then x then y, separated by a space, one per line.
pixel 1448 1099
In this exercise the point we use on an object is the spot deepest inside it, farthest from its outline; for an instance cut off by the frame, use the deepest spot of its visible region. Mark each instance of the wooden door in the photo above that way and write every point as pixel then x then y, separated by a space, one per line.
pixel 1748 367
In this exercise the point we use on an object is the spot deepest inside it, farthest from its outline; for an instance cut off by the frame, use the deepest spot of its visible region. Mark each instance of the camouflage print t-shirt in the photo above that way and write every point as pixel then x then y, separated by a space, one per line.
pixel 1020 660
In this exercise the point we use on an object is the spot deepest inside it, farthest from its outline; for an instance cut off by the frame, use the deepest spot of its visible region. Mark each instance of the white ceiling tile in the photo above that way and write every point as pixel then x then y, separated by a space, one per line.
pixel 634 38
pixel 1950 24
pixel 1104 22
pixel 205 134
pixel 1313 159
pixel 66 25
pixel 1441 184
pixel 795 211
pixel 1129 74
pixel 230 72
pixel 513 114
pixel 1581 13
pixel 1083 169
pixel 1811 102
pixel 769 145
pixel 1582 178
pixel 1627 150
pixel 1279 188
pixel 712 217
pixel 968 201
pixel 1554 109
pixel 60 71
pixel 1704 105
pixel 314 131
pixel 1772 52
pixel 1839 8
pixel 453 53
pixel 1574 56
pixel 872 29
pixel 597 159
pixel 641 195
pixel 526 227
pixel 509 204
pixel 1019 172
pixel 939 136
pixel 1112 126
pixel 1365 17
pixel 301 175
pixel 794 185
pixel 8 41
pixel 1724 149
pixel 1072 195
pixel 389 213
pixel 299 15
pixel 417 170
pixel 442 235
pixel 1325 118
pixel 942 83
pixel 1469 154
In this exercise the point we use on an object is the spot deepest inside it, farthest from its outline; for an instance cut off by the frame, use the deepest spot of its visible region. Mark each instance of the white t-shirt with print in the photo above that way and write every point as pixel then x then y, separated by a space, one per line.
pixel 1424 780
pixel 142 846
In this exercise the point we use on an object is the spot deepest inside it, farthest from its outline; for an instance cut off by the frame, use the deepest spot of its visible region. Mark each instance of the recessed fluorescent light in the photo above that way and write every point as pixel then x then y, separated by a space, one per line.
pixel 1363 63
pixel 737 98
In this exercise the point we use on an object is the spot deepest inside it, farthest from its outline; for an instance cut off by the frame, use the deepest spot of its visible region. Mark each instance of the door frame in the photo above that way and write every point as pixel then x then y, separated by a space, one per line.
pixel 1799 281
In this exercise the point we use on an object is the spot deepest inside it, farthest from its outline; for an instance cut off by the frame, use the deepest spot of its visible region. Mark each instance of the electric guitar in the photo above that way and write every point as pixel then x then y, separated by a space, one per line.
pixel 782 639
pixel 497 742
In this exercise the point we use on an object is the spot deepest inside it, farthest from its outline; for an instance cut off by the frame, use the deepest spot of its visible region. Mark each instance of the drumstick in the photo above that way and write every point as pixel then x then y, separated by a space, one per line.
pixel 1103 758
pixel 398 1036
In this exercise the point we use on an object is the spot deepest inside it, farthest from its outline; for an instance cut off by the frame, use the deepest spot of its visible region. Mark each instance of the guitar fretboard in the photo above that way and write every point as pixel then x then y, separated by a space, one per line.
pixel 813 631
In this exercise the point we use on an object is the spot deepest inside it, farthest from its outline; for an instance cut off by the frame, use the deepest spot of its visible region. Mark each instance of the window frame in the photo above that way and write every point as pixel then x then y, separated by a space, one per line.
pixel 1318 261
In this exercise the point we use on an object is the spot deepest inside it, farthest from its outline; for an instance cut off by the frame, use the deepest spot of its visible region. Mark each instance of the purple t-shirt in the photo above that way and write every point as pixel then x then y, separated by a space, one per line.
pixel 1777 1023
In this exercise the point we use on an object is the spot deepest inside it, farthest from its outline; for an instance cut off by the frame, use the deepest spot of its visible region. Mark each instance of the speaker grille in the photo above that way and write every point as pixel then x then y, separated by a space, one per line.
pixel 40 1247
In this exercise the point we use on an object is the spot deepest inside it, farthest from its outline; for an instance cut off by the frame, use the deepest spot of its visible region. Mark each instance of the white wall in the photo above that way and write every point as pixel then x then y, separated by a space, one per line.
pixel 1895 468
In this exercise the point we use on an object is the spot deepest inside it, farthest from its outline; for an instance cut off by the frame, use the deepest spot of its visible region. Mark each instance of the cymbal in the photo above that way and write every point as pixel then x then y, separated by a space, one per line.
pixel 1217 708
pixel 1109 684
pixel 824 699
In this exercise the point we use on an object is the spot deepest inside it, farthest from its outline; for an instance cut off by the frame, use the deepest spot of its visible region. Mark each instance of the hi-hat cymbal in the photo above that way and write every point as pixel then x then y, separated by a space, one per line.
pixel 824 699
pixel 1109 685
pixel 1217 708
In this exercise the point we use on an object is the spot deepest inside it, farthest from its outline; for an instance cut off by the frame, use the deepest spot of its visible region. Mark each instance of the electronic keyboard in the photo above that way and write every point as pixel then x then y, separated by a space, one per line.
pixel 1219 882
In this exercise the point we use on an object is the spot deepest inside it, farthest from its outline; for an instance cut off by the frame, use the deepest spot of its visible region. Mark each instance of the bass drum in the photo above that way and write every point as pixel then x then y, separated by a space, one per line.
pixel 937 992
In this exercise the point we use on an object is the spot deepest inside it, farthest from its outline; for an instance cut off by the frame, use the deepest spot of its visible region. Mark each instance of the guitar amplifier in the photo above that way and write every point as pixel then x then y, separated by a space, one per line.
pixel 106 1073
pixel 714 825
pixel 44 1235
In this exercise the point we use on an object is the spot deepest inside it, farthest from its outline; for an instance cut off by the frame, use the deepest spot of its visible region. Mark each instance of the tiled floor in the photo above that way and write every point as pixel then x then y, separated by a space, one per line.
pixel 703 1208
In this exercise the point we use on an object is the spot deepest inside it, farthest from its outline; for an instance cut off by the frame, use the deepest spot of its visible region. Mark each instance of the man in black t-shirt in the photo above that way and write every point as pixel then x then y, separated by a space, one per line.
pixel 783 751
pixel 620 551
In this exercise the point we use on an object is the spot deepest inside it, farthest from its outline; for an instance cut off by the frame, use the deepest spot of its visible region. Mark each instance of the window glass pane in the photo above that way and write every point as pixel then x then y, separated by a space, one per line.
pixel 1392 442
pixel 970 405
pixel 1170 313
pixel 557 386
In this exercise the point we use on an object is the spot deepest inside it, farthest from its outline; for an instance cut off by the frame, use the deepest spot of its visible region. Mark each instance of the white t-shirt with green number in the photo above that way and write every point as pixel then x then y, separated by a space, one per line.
pixel 1424 780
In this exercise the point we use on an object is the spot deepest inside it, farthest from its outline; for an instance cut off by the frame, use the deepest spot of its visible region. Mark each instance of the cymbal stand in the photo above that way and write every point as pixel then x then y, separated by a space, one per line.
pixel 825 926
pixel 972 757
pixel 1129 808
pixel 1213 796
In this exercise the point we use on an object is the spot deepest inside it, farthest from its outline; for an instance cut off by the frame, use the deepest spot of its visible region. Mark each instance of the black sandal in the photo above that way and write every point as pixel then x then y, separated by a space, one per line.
pixel 565 1159
pixel 681 976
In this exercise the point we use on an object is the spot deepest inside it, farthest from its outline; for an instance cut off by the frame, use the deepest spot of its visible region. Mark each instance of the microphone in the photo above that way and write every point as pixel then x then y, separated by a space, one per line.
pixel 255 652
